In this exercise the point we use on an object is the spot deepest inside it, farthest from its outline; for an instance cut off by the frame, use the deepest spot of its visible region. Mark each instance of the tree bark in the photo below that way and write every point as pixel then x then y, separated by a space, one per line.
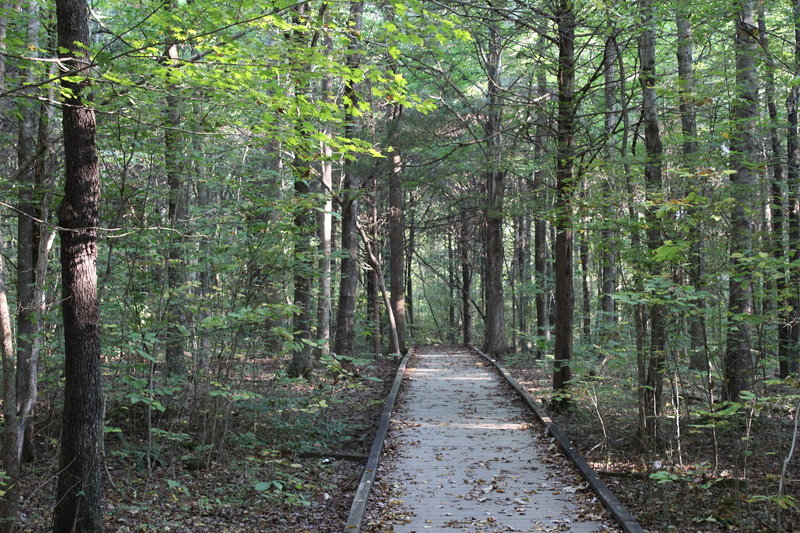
pixel 738 360
pixel 792 340
pixel 466 280
pixel 586 295
pixel 302 362
pixel 653 383
pixel 325 221
pixel 345 312
pixel 698 358
pixel 79 493
pixel 397 248
pixel 776 204
pixel 565 187
pixel 9 507
pixel 177 213
pixel 29 285
pixel 539 191
pixel 608 234
pixel 495 342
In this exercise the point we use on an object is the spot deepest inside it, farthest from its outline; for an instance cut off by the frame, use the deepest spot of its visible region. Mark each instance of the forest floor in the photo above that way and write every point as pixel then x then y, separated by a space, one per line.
pixel 263 453
pixel 712 471
pixel 268 455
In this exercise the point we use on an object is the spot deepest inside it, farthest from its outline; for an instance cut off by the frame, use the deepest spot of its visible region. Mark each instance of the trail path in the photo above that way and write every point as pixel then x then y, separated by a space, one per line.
pixel 463 454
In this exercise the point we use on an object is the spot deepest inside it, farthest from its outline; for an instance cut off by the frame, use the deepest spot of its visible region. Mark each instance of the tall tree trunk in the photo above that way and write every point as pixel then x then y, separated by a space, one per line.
pixel 776 201
pixel 79 492
pixel 495 342
pixel 345 312
pixel 178 210
pixel 539 191
pixel 565 187
pixel 792 364
pixel 409 279
pixel 302 361
pixel 698 359
pixel 325 222
pixel 325 225
pixel 653 383
pixel 608 234
pixel 9 507
pixel 738 360
pixel 29 322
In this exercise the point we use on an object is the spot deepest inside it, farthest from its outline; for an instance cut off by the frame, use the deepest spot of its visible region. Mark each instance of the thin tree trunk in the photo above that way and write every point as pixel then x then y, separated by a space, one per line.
pixel 792 365
pixel 653 383
pixel 698 359
pixel 325 246
pixel 586 295
pixel 539 191
pixel 776 201
pixel 409 280
pixel 738 360
pixel 495 342
pixel 302 362
pixel 608 235
pixel 29 323
pixel 79 492
pixel 466 280
pixel 396 248
pixel 175 165
pixel 9 508
pixel 376 266
pixel 565 187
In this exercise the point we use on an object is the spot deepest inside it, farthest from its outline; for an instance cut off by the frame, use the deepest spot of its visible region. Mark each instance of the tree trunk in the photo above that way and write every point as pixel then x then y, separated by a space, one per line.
pixel 698 358
pixel 29 322
pixel 776 236
pixel 394 347
pixel 495 342
pixel 539 191
pixel 738 360
pixel 178 210
pixel 9 507
pixel 653 383
pixel 586 295
pixel 565 187
pixel 396 249
pixel 608 235
pixel 302 361
pixel 79 493
pixel 345 313
pixel 792 340
pixel 466 280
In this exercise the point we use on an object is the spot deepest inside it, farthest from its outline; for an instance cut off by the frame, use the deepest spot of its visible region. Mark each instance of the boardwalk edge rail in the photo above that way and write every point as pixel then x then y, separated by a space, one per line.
pixel 359 506
pixel 609 499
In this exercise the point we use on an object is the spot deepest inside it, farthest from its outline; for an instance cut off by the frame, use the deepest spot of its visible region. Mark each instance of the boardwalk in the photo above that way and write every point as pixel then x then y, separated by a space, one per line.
pixel 464 455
